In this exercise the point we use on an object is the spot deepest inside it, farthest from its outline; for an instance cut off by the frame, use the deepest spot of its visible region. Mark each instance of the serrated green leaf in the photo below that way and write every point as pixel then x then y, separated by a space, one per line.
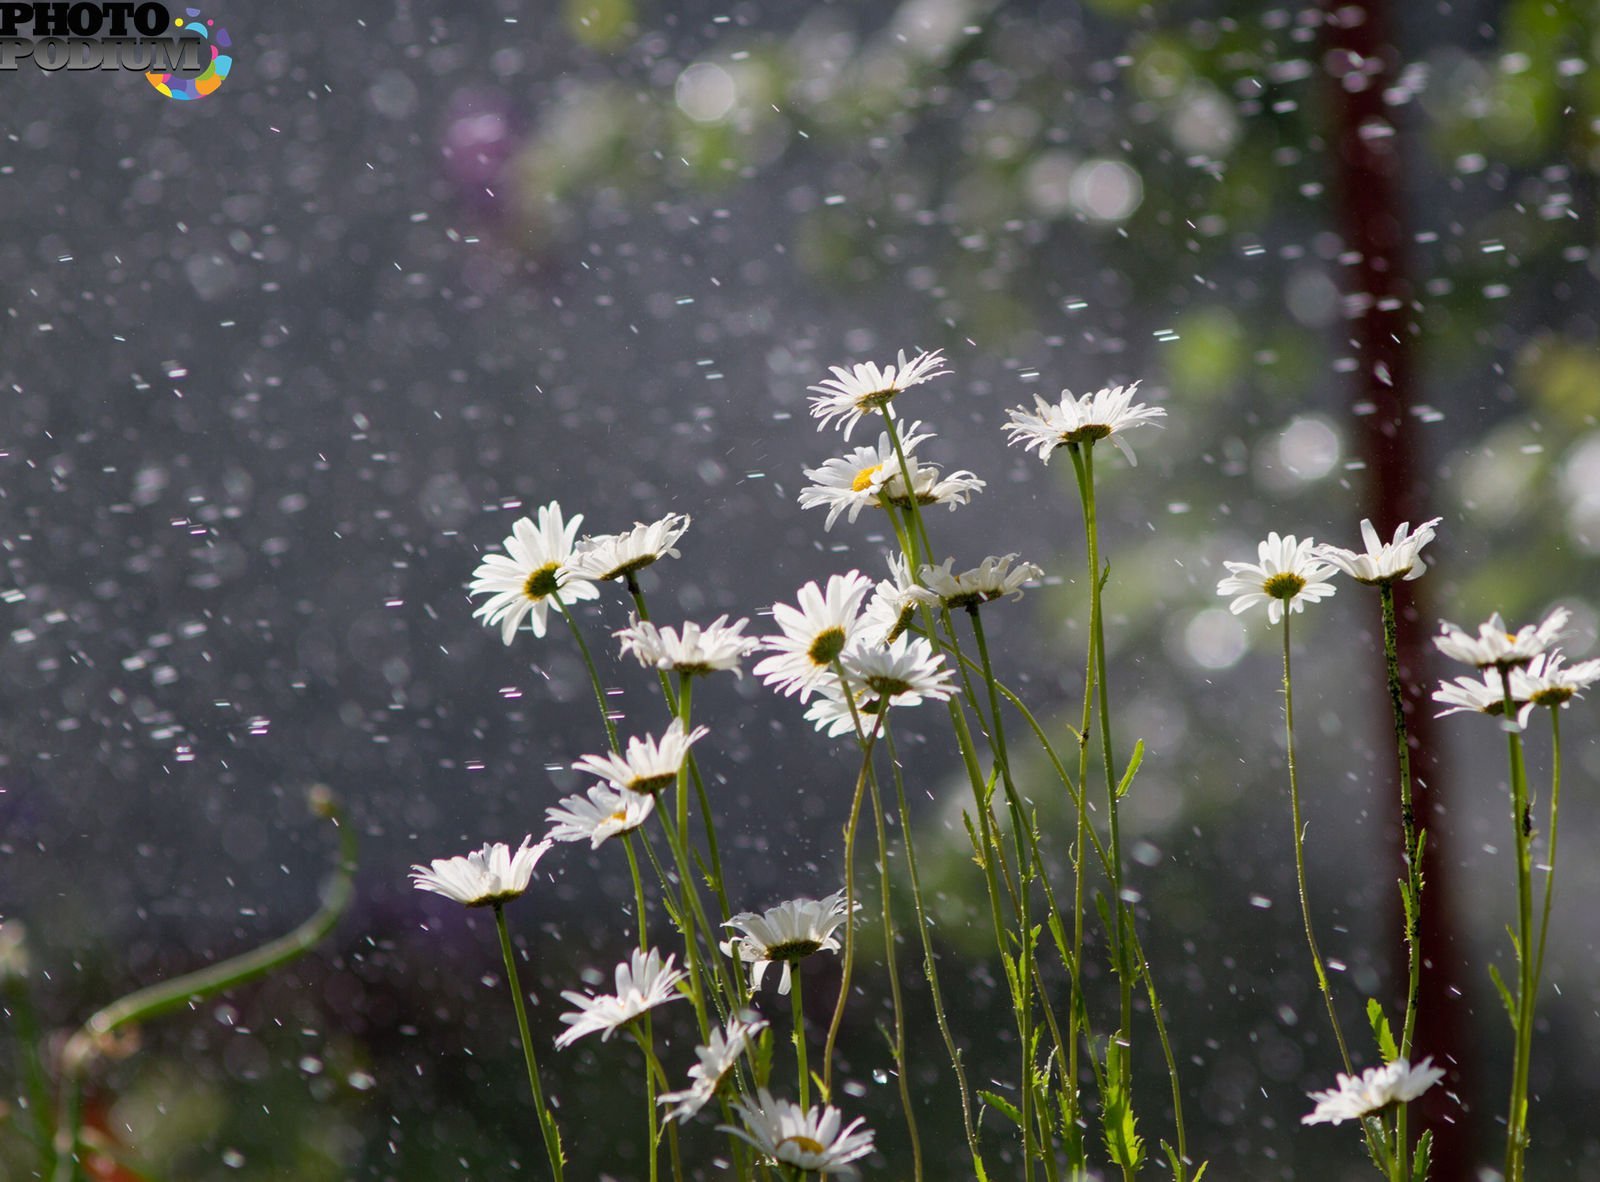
pixel 1423 1158
pixel 1002 1106
pixel 1381 1032
pixel 1133 768
pixel 1505 995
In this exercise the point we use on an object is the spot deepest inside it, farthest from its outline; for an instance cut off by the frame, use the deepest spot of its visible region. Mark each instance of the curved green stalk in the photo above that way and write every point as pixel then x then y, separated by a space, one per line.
pixel 182 992
pixel 547 1121
pixel 1299 850
pixel 1527 988
pixel 594 674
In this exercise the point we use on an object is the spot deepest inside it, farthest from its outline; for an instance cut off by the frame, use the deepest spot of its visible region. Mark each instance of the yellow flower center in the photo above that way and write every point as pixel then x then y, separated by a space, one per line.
pixel 864 478
pixel 1088 433
pixel 805 1144
pixel 543 581
pixel 1284 586
pixel 619 816
pixel 826 646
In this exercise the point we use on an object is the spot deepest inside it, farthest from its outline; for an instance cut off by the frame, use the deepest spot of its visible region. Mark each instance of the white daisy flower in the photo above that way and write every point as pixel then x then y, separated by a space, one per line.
pixel 931 488
pixel 850 483
pixel 1101 415
pixel 604 812
pixel 520 582
pixel 1494 646
pixel 1483 695
pixel 903 673
pixel 491 875
pixel 784 934
pixel 649 764
pixel 813 634
pixel 694 650
pixel 1548 681
pixel 613 556
pixel 990 579
pixel 830 713
pixel 893 604
pixel 1383 562
pixel 643 982
pixel 1375 1089
pixel 716 1059
pixel 864 389
pixel 1288 573
pixel 812 1141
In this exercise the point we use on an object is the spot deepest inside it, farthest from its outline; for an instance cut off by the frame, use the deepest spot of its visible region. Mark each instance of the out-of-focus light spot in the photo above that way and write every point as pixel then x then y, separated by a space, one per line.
pixel 1107 190
pixel 705 92
pixel 1312 297
pixel 1580 486
pixel 1205 122
pixel 1048 183
pixel 1214 639
pixel 1309 448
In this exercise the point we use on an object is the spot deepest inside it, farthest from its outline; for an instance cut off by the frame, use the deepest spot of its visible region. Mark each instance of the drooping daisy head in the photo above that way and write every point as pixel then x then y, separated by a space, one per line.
pixel 785 934
pixel 1484 694
pixel 648 764
pixel 716 1059
pixel 813 635
pixel 485 877
pixel 603 812
pixel 1383 562
pixel 1495 647
pixel 1105 414
pixel 532 574
pixel 866 389
pixel 644 981
pixel 615 556
pixel 1548 681
pixel 848 484
pixel 1372 1091
pixel 1288 573
pixel 992 578
pixel 815 1141
pixel 893 604
pixel 693 651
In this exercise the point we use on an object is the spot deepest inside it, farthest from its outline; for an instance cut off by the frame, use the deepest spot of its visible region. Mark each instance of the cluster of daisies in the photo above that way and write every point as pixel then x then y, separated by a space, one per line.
pixel 1524 666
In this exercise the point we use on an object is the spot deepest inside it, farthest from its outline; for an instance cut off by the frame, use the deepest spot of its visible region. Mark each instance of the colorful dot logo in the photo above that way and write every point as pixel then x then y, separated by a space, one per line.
pixel 175 86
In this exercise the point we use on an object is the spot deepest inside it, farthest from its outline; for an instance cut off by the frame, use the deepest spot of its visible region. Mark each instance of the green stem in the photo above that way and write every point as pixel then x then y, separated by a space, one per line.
pixel 1550 860
pixel 1299 850
pixel 890 965
pixel 547 1122
pixel 867 742
pixel 594 674
pixel 798 1007
pixel 1411 857
pixel 929 967
pixel 1527 988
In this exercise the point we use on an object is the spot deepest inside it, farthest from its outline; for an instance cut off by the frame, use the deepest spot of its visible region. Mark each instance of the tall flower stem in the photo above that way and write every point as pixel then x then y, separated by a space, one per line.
pixel 594 674
pixel 902 1081
pixel 1299 849
pixel 1550 858
pixel 867 741
pixel 1022 826
pixel 929 966
pixel 1527 984
pixel 718 880
pixel 1411 885
pixel 547 1123
pixel 797 1005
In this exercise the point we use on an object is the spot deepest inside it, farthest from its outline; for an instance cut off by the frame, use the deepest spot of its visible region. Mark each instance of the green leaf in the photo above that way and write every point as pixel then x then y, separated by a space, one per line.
pixel 1423 1159
pixel 1121 1128
pixel 1505 995
pixel 1381 1032
pixel 1133 767
pixel 1002 1106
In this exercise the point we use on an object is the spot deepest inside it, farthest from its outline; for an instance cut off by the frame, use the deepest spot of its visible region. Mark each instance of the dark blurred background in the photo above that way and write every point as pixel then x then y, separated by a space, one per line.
pixel 278 365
